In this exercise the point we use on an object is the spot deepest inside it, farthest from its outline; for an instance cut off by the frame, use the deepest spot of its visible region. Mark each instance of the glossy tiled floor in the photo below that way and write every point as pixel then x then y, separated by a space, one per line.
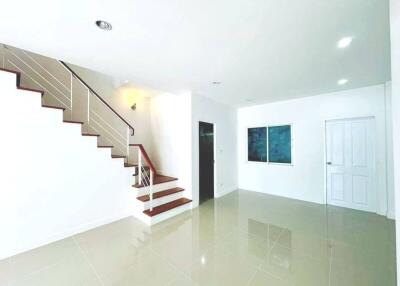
pixel 244 238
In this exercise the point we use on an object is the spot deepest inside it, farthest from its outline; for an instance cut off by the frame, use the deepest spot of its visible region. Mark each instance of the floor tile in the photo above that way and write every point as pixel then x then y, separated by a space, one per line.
pixel 223 268
pixel 263 279
pixel 69 271
pixel 150 270
pixel 243 238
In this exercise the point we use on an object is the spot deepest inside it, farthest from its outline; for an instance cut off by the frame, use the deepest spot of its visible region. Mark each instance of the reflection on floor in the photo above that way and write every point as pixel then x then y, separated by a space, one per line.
pixel 243 238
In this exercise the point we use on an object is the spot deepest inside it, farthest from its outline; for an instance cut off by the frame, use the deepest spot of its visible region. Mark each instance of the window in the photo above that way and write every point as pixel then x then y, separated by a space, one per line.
pixel 271 144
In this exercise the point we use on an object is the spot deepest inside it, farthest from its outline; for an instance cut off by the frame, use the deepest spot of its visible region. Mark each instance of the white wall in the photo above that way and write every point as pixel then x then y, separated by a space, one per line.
pixel 395 63
pixel 53 182
pixel 224 119
pixel 305 180
pixel 171 137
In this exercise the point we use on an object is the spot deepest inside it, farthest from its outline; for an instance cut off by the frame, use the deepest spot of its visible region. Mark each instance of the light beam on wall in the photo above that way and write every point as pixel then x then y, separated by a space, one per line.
pixel 131 95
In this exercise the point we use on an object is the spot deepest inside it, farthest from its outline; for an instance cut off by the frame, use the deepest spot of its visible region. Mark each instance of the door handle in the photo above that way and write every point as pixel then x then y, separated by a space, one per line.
pixel 329 163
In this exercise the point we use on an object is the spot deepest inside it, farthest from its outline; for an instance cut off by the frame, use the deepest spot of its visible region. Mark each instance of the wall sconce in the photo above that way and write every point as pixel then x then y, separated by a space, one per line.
pixel 133 107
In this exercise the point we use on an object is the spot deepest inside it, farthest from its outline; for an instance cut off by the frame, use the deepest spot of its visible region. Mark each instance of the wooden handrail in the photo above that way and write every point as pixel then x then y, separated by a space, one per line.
pixel 98 96
pixel 146 157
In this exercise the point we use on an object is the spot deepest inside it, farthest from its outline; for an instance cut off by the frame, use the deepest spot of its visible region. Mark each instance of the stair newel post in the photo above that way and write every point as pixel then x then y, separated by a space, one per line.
pixel 139 166
pixel 151 190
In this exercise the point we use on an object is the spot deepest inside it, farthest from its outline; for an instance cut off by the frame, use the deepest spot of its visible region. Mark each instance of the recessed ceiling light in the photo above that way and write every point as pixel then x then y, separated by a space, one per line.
pixel 106 26
pixel 342 81
pixel 344 42
pixel 249 99
pixel 216 82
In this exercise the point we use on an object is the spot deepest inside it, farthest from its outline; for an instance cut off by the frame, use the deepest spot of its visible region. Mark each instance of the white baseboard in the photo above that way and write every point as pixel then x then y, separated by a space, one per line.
pixel 391 215
pixel 285 196
pixel 227 191
pixel 65 234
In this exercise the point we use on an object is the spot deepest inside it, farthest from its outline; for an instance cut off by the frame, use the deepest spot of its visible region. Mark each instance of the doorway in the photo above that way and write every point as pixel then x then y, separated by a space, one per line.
pixel 350 163
pixel 206 161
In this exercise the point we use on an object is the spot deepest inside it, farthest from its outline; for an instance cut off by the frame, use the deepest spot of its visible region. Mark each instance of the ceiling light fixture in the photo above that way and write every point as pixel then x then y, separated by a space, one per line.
pixel 344 42
pixel 106 26
pixel 342 81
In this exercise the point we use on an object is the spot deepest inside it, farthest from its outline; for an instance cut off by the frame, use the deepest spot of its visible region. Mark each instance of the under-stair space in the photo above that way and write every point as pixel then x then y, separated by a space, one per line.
pixel 159 197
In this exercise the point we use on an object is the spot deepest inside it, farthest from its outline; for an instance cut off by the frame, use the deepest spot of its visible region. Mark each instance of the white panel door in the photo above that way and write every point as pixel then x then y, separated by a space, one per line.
pixel 350 163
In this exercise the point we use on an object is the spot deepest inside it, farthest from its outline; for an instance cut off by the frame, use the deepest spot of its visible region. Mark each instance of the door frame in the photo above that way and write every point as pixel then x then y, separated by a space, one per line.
pixel 214 152
pixel 373 143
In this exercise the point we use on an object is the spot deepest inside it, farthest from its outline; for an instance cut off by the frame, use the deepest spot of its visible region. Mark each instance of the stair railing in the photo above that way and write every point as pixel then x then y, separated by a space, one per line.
pixel 64 88
pixel 146 171
pixel 110 132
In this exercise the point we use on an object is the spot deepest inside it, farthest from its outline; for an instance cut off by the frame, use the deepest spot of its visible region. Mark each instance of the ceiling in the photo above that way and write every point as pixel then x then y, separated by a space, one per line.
pixel 260 50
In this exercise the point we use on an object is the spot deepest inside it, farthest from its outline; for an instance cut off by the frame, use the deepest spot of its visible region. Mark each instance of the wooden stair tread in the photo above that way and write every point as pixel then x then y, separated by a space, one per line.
pixel 126 165
pixel 166 207
pixel 18 74
pixel 118 156
pixel 161 194
pixel 105 146
pixel 72 121
pixel 55 107
pixel 146 167
pixel 31 89
pixel 11 71
pixel 159 179
pixel 90 134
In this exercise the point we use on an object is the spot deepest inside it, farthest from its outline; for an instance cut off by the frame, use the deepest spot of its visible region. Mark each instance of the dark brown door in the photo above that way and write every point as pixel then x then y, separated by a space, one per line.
pixel 206 161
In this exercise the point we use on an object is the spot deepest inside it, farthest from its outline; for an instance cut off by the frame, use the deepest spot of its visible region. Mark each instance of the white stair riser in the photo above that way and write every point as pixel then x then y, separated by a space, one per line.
pixel 171 213
pixel 156 188
pixel 163 216
pixel 162 200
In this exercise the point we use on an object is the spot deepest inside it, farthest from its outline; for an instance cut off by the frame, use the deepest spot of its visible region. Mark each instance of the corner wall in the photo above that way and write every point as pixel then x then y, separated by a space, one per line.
pixel 305 180
pixel 171 137
pixel 175 130
pixel 395 64
pixel 389 151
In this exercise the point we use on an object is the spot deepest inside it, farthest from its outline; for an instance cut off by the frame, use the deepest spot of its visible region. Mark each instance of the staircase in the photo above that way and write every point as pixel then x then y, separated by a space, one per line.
pixel 158 197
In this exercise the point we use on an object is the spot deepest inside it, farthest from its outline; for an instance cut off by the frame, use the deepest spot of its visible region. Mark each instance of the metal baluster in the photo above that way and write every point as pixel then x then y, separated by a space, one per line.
pixel 72 77
pixel 127 144
pixel 151 190
pixel 88 111
pixel 139 166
